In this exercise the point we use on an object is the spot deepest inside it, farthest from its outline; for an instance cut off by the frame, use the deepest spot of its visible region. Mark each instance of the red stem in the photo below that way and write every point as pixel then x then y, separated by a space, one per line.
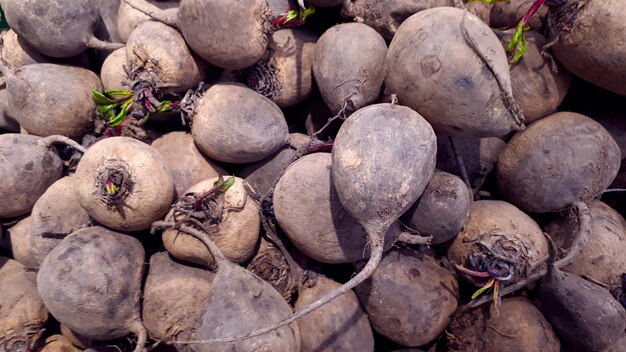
pixel 532 11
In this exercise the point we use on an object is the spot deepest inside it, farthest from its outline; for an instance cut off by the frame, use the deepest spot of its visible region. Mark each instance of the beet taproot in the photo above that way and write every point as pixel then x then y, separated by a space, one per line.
pixel 387 16
pixel 16 243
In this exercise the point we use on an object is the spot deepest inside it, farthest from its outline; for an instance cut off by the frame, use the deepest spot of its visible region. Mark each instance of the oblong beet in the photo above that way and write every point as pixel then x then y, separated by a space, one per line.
pixel 91 282
pixel 583 314
pixel 434 70
pixel 558 160
pixel 347 79
pixel 48 99
pixel 234 124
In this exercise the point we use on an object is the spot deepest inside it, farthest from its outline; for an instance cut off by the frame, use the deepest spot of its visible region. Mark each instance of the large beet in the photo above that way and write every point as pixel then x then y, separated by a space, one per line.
pixel 55 215
pixel 437 65
pixel 558 160
pixel 49 99
pixel 91 282
pixel 124 184
pixel 583 314
pixel 591 43
pixel 234 124
pixel 410 298
pixel 57 28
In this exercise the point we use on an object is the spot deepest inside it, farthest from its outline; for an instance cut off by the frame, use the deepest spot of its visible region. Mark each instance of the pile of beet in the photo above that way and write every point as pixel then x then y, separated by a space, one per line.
pixel 313 175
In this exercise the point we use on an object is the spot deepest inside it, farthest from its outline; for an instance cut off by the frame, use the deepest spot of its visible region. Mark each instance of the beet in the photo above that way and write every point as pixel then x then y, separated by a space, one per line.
pixel 91 282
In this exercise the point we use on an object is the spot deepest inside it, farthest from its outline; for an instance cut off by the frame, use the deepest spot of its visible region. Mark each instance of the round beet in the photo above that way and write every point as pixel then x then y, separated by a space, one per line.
pixel 238 30
pixel 56 214
pixel 591 42
pixel 112 73
pixel 519 327
pixel 558 160
pixel 124 184
pixel 501 240
pixel 284 73
pixel 601 257
pixel 91 282
pixel 436 65
pixel 157 53
pixel 16 242
pixel 231 218
pixel 537 88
